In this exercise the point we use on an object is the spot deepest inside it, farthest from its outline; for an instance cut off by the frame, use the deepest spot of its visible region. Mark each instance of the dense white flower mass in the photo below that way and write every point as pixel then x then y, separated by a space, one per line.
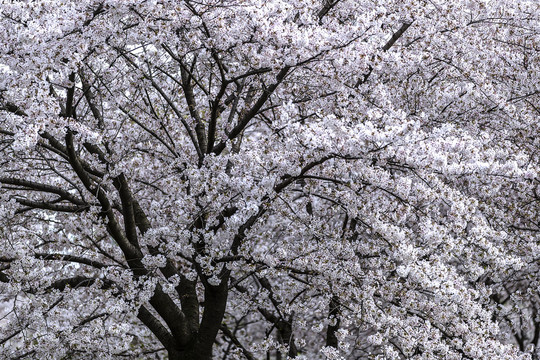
pixel 270 179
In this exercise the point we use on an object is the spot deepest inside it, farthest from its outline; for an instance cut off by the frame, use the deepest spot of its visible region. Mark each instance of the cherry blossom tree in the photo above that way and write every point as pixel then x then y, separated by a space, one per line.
pixel 247 179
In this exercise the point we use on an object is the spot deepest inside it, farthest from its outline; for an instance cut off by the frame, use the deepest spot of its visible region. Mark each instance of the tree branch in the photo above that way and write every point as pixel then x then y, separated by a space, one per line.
pixel 243 122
